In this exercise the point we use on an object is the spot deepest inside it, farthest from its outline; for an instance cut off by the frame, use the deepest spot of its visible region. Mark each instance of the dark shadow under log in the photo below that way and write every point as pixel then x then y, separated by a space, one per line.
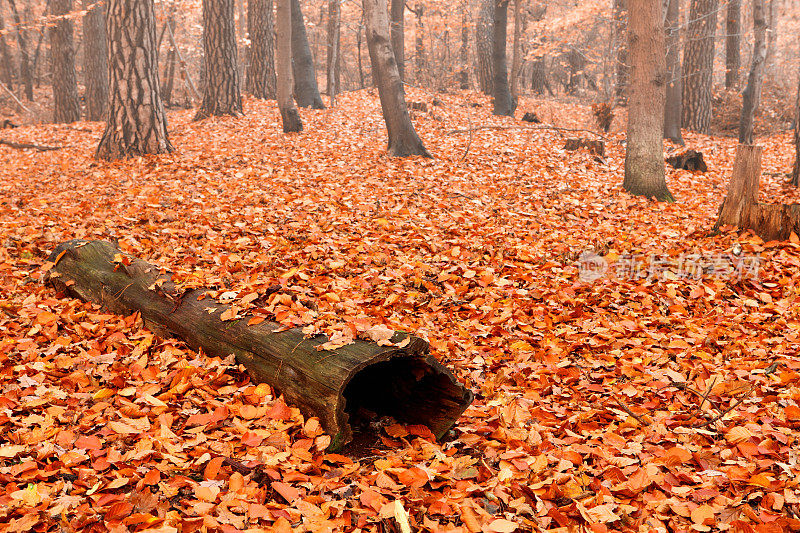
pixel 403 381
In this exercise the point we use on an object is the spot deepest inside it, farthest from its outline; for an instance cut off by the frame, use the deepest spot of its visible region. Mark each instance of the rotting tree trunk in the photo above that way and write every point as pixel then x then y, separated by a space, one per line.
pixel 698 65
pixel 24 58
pixel 673 114
pixel 743 186
pixel 261 81
pixel 398 11
pixel 620 13
pixel 644 154
pixel 334 42
pixel 136 121
pixel 402 380
pixel 66 105
pixel 95 60
pixel 290 117
pixel 403 139
pixel 503 103
pixel 306 90
pixel 221 93
pixel 483 46
pixel 751 97
pixel 733 43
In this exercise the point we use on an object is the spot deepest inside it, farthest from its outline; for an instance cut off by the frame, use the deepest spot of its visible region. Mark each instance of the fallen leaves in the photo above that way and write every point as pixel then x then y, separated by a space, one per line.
pixel 106 424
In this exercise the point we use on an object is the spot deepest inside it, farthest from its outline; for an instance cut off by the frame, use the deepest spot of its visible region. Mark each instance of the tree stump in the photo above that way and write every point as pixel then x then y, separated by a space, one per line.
pixel 597 148
pixel 690 160
pixel 402 380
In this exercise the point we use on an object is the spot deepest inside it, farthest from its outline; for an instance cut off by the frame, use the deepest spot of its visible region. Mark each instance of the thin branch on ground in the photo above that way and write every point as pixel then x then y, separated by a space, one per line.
pixel 25 146
pixel 532 128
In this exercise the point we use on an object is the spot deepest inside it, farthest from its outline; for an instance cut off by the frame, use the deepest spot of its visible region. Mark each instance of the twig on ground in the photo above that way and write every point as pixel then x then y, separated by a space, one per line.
pixel 726 411
pixel 533 128
pixel 628 410
pixel 25 146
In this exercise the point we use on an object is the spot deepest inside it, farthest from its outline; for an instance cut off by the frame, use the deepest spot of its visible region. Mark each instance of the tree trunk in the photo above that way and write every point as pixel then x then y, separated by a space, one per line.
pixel 673 114
pixel 221 94
pixel 95 60
pixel 743 186
pixel 503 103
pixel 290 117
pixel 772 35
pixel 6 62
pixel 483 44
pixel 24 59
pixel 420 55
pixel 698 65
pixel 516 62
pixel 168 83
pixel 796 169
pixel 751 97
pixel 136 123
pixel 463 51
pixel 733 43
pixel 401 380
pixel 261 80
pixel 644 154
pixel 66 105
pixel 398 33
pixel 539 81
pixel 306 91
pixel 403 139
pixel 334 28
pixel 620 13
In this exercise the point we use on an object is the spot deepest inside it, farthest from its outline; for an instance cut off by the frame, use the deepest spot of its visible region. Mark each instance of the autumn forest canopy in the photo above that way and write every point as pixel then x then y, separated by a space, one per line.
pixel 466 266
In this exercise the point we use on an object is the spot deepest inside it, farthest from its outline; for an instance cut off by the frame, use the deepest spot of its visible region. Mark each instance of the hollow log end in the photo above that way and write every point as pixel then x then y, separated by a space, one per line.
pixel 406 383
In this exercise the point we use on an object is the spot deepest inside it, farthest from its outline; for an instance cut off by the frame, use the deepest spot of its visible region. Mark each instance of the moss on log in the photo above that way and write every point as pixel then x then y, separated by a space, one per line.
pixel 403 381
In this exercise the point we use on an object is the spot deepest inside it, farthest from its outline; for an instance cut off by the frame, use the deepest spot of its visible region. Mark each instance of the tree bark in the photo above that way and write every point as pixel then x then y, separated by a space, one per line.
pixel 334 41
pixel 95 60
pixel 290 117
pixel 644 154
pixel 398 33
pixel 402 380
pixel 66 105
pixel 483 44
pixel 772 34
pixel 698 64
pixel 403 139
pixel 420 55
pixel 796 169
pixel 261 79
pixel 463 51
pixel 24 59
pixel 221 94
pixel 751 97
pixel 136 123
pixel 306 91
pixel 743 186
pixel 620 13
pixel 6 62
pixel 503 103
pixel 516 62
pixel 673 113
pixel 733 43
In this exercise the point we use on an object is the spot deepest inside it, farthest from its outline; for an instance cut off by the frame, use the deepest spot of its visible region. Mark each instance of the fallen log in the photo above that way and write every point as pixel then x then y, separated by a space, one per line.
pixel 402 380
pixel 26 146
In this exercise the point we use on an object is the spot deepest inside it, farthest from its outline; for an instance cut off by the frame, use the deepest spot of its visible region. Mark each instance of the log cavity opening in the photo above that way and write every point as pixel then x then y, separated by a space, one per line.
pixel 408 389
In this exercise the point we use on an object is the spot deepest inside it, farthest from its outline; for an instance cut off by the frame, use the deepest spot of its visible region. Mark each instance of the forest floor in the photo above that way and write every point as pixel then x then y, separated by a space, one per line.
pixel 661 396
